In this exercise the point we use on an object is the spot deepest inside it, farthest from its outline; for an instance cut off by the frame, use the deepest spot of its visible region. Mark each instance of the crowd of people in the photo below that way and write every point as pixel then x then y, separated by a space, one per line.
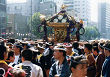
pixel 28 58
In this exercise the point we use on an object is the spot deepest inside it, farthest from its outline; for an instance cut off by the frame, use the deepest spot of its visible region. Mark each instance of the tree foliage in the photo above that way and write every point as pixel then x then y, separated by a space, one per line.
pixel 91 32
pixel 34 25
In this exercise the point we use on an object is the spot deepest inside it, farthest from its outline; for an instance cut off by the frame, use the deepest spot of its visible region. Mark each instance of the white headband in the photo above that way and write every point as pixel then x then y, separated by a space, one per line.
pixel 57 48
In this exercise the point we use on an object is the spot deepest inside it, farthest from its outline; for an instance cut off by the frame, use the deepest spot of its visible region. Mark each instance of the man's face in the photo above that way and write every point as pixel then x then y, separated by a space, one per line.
pixel 41 50
pixel 12 58
pixel 51 47
pixel 57 54
pixel 81 70
pixel 16 50
pixel 99 48
pixel 68 50
pixel 24 47
pixel 94 52
pixel 85 49
pixel 5 55
pixel 106 52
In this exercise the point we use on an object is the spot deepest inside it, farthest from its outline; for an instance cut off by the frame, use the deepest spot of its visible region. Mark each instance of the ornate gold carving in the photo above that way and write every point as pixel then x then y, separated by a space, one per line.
pixel 60 30
pixel 61 25
pixel 60 34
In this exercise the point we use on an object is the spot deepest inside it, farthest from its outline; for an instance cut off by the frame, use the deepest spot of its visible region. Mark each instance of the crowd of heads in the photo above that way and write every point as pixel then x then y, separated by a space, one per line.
pixel 78 51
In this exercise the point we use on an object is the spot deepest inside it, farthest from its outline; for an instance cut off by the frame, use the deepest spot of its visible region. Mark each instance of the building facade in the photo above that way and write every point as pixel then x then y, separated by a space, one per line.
pixel 3 15
pixel 17 8
pixel 108 19
pixel 102 19
pixel 59 3
pixel 69 3
pixel 17 18
pixel 47 8
pixel 26 9
pixel 17 26
pixel 82 9
pixel 32 6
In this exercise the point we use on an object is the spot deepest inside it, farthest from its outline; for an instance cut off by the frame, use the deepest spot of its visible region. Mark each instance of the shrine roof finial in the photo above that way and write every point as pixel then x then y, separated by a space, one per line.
pixel 63 6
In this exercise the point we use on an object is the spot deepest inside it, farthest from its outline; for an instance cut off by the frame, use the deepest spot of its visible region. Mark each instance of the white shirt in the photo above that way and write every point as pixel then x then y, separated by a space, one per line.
pixel 16 59
pixel 31 69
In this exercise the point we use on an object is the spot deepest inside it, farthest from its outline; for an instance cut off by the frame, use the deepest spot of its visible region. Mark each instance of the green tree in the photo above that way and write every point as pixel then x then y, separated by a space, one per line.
pixel 91 33
pixel 34 25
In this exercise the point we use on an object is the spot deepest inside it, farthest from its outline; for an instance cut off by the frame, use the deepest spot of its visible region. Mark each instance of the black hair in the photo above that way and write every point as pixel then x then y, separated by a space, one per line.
pixel 64 52
pixel 52 43
pixel 101 45
pixel 95 44
pixel 2 51
pixel 95 48
pixel 77 60
pixel 11 41
pixel 19 46
pixel 75 45
pixel 2 43
pixel 88 46
pixel 107 46
pixel 10 54
pixel 27 54
pixel 27 46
